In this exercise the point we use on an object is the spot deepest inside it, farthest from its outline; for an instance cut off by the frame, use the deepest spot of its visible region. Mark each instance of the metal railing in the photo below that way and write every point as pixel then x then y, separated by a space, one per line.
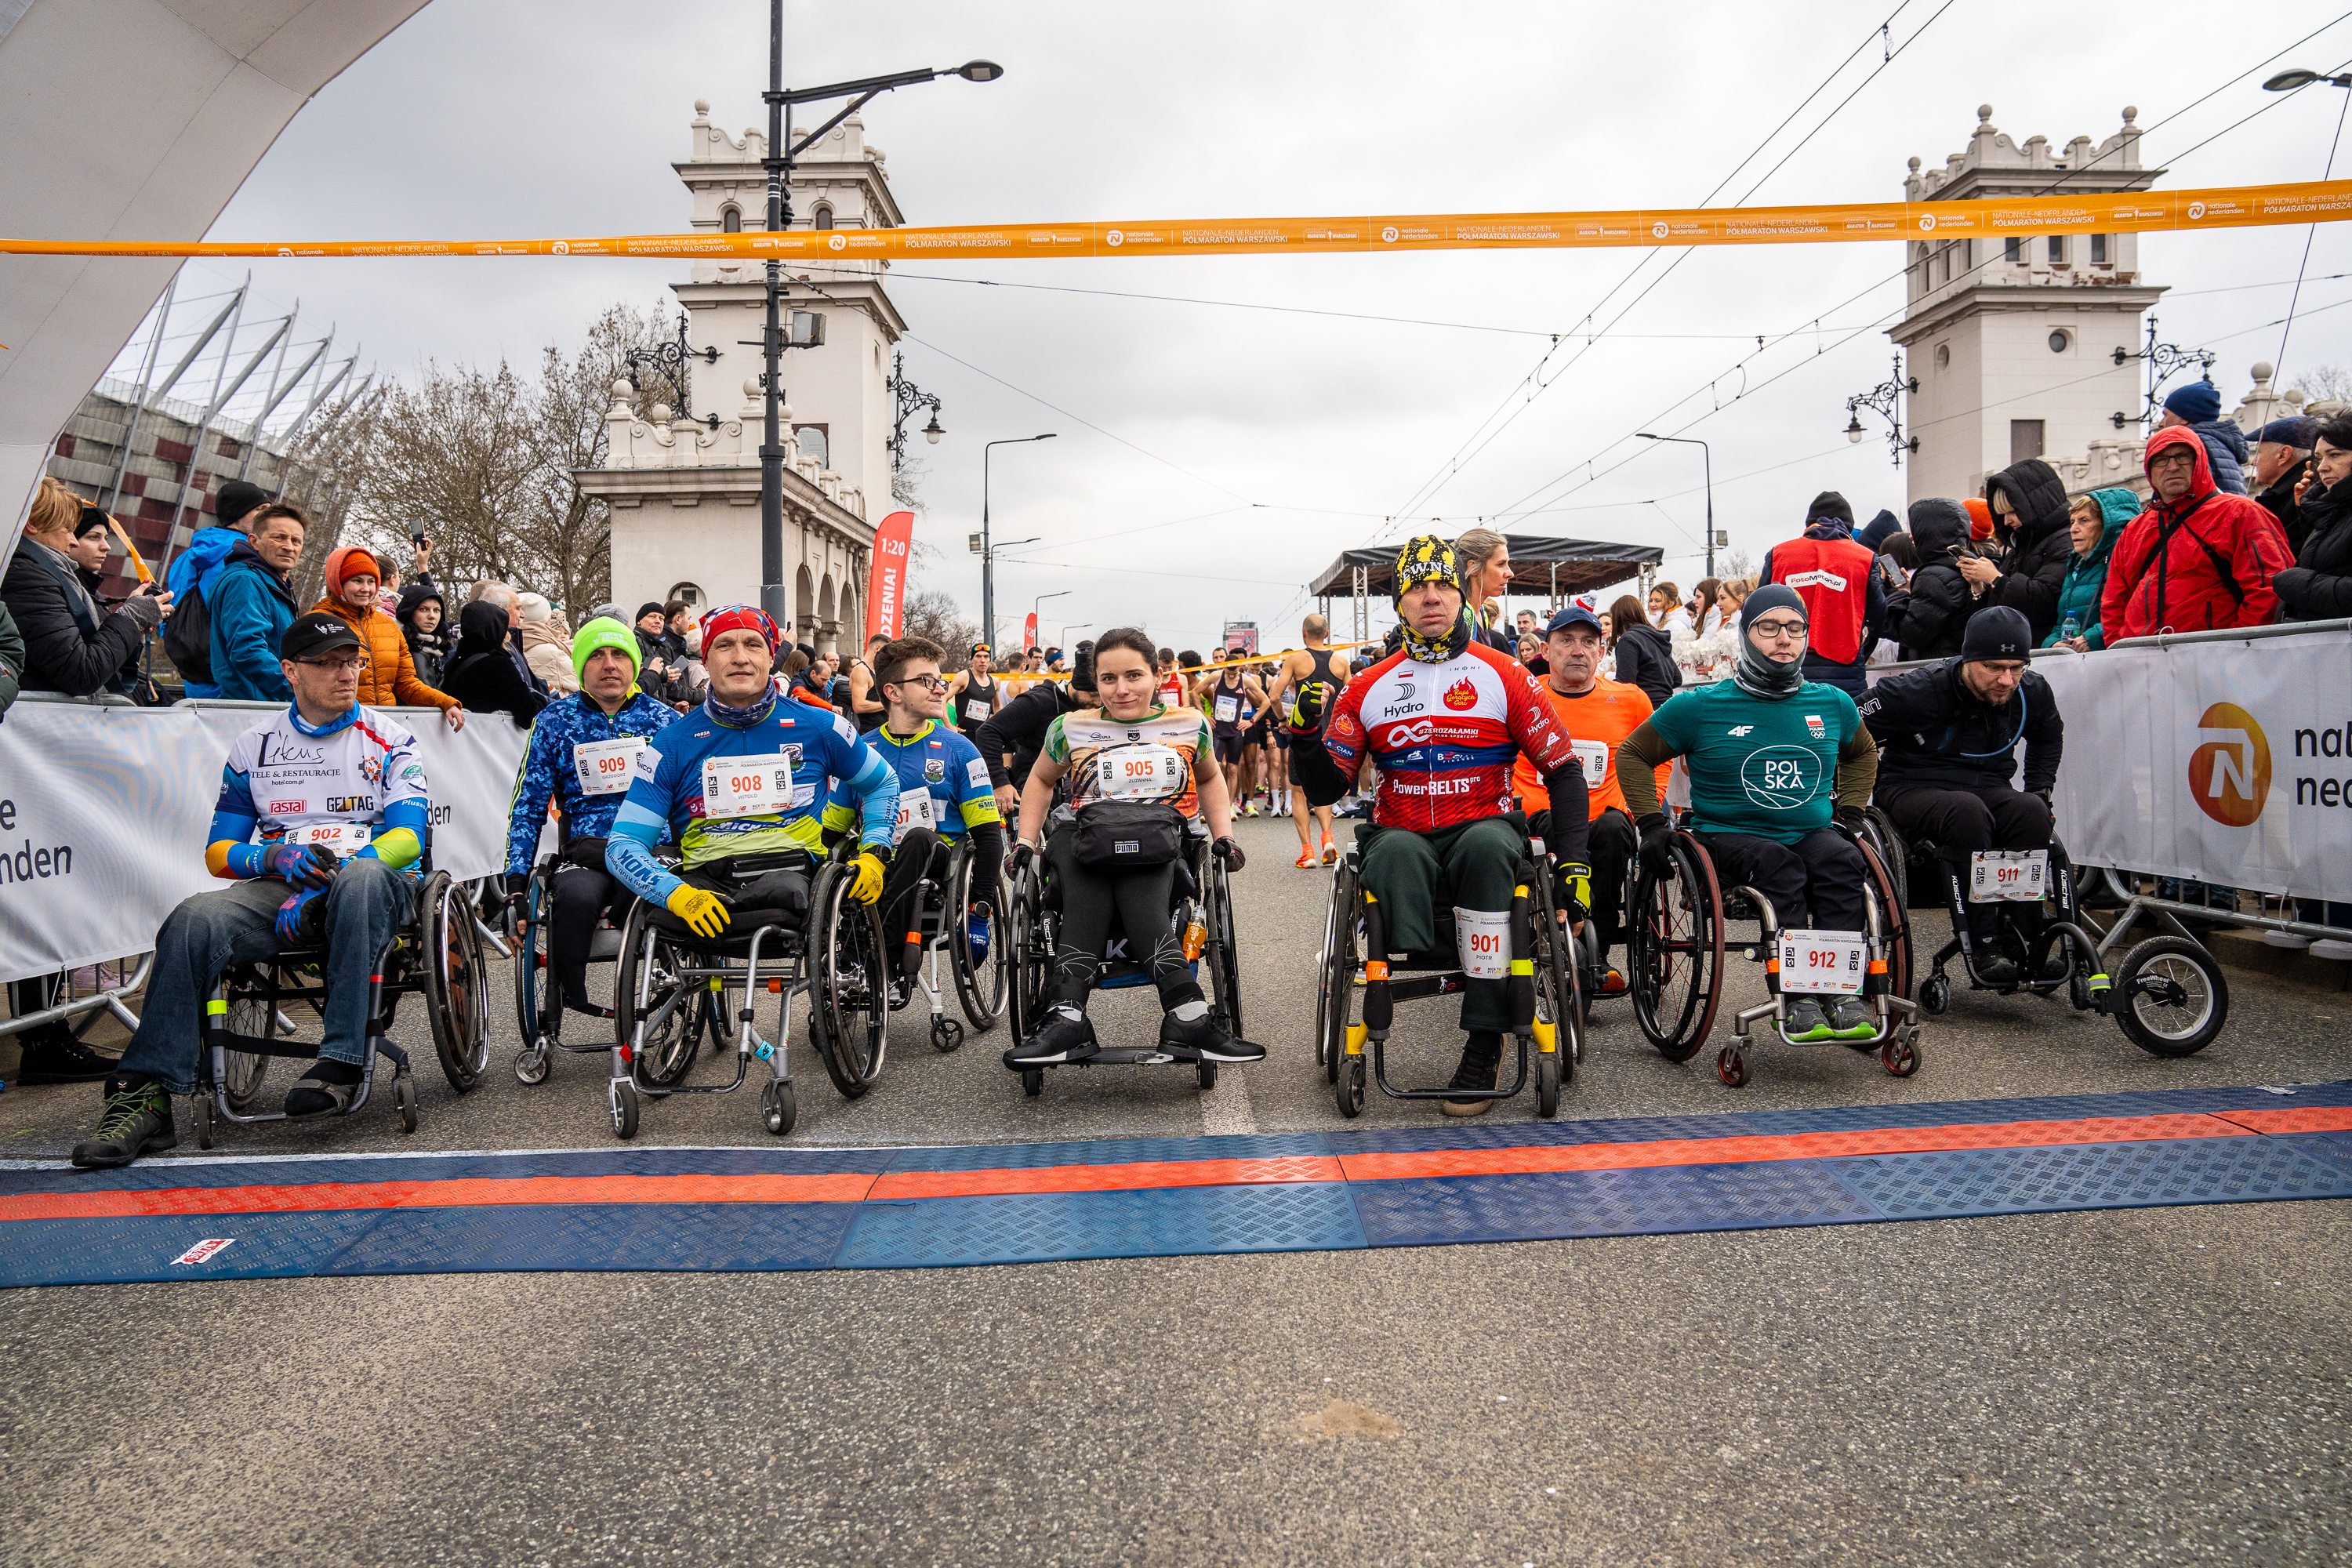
pixel 109 1000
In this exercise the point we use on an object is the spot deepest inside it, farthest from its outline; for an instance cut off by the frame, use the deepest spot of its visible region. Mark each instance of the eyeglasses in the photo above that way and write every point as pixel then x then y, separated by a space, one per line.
pixel 928 682
pixel 1789 629
pixel 354 661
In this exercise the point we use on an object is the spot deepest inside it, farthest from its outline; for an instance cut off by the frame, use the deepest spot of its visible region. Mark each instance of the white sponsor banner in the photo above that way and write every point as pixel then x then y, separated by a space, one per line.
pixel 2227 762
pixel 103 813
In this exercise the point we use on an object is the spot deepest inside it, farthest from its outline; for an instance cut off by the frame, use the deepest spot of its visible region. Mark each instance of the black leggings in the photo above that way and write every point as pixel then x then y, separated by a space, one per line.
pixel 920 853
pixel 1141 900
pixel 580 891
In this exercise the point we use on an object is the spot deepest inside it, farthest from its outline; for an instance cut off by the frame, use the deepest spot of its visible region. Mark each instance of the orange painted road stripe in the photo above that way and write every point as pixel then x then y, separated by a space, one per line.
pixel 463 1193
pixel 2294 1119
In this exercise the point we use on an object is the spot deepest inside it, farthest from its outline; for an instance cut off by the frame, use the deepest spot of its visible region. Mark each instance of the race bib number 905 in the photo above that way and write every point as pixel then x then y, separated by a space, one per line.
pixel 1139 773
pixel 752 786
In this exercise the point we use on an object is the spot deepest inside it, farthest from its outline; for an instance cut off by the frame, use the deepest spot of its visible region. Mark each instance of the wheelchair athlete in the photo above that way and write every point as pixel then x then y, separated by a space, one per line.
pixel 1598 714
pixel 1947 740
pixel 1138 771
pixel 1773 759
pixel 583 753
pixel 944 794
pixel 1444 716
pixel 337 798
pixel 740 786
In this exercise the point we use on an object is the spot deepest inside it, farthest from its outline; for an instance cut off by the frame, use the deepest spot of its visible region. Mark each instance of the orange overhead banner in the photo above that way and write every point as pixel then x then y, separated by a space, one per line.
pixel 2227 207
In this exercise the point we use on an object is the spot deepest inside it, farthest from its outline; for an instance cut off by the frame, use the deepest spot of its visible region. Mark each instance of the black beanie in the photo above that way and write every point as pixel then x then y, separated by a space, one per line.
pixel 2000 632
pixel 1832 505
pixel 650 607
pixel 236 498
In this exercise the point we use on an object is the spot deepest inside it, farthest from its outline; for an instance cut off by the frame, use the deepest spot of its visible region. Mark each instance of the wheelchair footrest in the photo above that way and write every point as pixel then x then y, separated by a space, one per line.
pixel 252 1045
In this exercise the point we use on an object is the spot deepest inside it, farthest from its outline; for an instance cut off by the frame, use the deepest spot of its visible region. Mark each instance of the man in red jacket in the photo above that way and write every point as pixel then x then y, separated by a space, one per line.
pixel 2197 558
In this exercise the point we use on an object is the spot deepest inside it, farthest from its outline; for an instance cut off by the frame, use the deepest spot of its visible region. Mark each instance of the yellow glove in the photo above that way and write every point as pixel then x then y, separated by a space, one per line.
pixel 702 912
pixel 866 882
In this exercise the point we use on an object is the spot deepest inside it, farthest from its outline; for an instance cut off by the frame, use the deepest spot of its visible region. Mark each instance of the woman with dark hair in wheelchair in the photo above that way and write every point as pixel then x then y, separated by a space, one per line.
pixel 1137 772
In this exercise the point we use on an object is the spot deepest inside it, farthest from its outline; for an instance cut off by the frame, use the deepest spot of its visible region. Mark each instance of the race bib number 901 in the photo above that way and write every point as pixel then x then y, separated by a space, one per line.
pixel 752 786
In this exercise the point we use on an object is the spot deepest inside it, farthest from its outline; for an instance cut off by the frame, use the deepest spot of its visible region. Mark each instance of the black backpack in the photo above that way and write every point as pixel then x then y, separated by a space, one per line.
pixel 188 635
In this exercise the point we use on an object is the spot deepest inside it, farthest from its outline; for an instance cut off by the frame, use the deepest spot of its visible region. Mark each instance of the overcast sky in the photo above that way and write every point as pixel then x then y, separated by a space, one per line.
pixel 1252 446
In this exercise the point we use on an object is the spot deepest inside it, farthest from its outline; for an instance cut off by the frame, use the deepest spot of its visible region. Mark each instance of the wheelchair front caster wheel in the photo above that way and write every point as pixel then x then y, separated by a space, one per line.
pixel 530 1065
pixel 1900 1055
pixel 947 1036
pixel 1935 996
pixel 204 1114
pixel 778 1109
pixel 1731 1066
pixel 1352 1087
pixel 1207 1072
pixel 624 1111
pixel 1033 1081
pixel 1547 1084
pixel 403 1096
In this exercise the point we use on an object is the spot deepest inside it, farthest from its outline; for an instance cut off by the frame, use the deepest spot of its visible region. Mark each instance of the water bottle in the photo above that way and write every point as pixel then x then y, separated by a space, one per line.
pixel 2071 629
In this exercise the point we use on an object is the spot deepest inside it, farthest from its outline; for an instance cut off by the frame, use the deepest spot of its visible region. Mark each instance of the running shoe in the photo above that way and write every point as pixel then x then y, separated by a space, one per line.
pixel 1067 1036
pixel 131 1121
pixel 1997 971
pixel 1305 862
pixel 1614 983
pixel 1482 1059
pixel 1850 1019
pixel 1802 1020
pixel 1202 1040
pixel 1249 807
pixel 1331 852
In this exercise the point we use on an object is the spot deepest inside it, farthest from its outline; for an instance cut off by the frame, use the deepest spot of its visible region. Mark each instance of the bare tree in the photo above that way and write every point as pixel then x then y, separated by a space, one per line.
pixel 2326 384
pixel 1736 564
pixel 571 532
pixel 936 614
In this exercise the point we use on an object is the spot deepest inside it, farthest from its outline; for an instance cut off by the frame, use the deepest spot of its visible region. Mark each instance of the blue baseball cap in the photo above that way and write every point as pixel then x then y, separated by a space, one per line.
pixel 1574 614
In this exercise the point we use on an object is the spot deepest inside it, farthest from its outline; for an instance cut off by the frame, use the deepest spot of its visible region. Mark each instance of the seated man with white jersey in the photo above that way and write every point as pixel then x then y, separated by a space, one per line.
pixel 1445 716
pixel 322 810
pixel 584 751
pixel 740 786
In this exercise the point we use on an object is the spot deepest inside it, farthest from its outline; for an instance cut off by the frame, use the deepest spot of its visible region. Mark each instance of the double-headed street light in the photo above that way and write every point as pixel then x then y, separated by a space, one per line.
pixel 779 166
pixel 1706 458
pixel 987 545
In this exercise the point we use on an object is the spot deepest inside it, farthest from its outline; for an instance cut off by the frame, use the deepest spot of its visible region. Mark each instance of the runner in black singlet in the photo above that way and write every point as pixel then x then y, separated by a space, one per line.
pixel 975 694
pixel 1300 699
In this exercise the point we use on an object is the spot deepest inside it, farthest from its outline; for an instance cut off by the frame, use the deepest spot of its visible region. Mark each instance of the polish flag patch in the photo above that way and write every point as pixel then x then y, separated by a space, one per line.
pixel 1814 723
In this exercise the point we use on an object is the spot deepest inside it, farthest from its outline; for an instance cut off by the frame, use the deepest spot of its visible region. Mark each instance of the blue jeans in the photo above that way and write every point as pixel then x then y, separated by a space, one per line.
pixel 236 925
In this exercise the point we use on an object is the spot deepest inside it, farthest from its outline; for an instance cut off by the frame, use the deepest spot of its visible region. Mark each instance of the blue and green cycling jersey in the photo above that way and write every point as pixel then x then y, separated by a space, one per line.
pixel 934 761
pixel 791 752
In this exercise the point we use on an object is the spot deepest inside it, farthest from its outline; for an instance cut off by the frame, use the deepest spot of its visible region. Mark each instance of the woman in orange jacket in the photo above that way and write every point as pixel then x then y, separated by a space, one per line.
pixel 389 677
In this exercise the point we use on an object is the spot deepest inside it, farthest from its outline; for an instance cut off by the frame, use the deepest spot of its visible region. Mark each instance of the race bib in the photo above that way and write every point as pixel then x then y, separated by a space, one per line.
pixel 975 712
pixel 1145 772
pixel 605 767
pixel 1229 709
pixel 1828 963
pixel 1594 755
pixel 916 808
pixel 1482 939
pixel 2009 876
pixel 753 786
pixel 343 837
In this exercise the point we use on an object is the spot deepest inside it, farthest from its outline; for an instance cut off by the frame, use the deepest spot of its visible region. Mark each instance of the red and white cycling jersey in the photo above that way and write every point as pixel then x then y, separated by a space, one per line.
pixel 1445 735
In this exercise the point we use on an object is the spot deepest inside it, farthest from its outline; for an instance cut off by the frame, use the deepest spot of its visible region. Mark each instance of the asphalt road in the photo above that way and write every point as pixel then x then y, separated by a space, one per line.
pixel 2151 1385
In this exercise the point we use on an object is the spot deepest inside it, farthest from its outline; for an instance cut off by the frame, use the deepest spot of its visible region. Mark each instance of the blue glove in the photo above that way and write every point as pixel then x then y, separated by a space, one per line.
pixel 290 918
pixel 304 865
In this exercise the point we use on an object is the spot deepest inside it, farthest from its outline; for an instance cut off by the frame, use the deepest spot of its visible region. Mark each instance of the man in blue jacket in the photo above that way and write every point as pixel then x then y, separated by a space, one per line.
pixel 251 601
pixel 193 570
pixel 583 753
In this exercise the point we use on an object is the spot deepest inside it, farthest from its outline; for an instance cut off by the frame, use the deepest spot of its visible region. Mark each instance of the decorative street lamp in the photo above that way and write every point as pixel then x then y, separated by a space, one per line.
pixel 1883 400
pixel 907 398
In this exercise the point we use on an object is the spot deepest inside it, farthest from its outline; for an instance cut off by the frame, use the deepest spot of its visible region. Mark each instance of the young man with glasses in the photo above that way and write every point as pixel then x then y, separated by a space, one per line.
pixel 1774 759
pixel 322 810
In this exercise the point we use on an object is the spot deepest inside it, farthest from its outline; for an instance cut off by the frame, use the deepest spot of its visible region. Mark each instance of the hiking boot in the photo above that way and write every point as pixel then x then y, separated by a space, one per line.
pixel 1066 1035
pixel 1850 1019
pixel 62 1060
pixel 1997 971
pixel 1802 1020
pixel 1203 1040
pixel 1481 1060
pixel 135 1120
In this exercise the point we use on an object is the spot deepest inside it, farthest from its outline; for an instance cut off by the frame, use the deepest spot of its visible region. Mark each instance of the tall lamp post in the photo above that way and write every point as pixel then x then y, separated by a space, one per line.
pixel 1040 605
pixel 779 166
pixel 987 545
pixel 1706 458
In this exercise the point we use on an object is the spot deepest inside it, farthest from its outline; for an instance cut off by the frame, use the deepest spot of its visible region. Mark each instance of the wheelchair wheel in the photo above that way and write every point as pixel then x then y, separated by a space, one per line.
pixel 1223 956
pixel 1674 941
pixel 849 1002
pixel 1879 833
pixel 1883 887
pixel 983 985
pixel 2172 998
pixel 246 1070
pixel 531 980
pixel 457 991
pixel 647 980
pixel 1029 959
pixel 1335 982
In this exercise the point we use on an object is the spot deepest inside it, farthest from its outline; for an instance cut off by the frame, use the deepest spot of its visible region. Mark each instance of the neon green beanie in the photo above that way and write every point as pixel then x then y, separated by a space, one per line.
pixel 603 632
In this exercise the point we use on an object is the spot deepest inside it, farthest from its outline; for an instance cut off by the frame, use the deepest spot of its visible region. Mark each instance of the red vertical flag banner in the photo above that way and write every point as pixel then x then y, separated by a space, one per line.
pixel 1029 633
pixel 885 586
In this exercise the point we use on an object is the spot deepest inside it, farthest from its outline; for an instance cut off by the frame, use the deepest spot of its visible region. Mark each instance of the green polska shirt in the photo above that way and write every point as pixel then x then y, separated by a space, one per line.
pixel 1756 766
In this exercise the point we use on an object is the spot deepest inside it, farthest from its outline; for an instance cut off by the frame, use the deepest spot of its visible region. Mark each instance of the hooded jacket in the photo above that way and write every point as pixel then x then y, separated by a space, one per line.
pixel 2035 538
pixel 1929 617
pixel 2196 563
pixel 547 647
pixel 1933 731
pixel 2319 586
pixel 482 673
pixel 192 572
pixel 389 679
pixel 251 606
pixel 428 650
pixel 2225 450
pixel 1646 658
pixel 2086 575
pixel 72 643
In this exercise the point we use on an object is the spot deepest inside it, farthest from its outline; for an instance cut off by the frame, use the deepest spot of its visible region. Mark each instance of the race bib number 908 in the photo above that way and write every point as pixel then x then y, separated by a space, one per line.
pixel 752 786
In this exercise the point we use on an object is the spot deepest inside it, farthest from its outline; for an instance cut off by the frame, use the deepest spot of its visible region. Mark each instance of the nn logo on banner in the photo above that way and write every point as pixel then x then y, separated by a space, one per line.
pixel 2229 769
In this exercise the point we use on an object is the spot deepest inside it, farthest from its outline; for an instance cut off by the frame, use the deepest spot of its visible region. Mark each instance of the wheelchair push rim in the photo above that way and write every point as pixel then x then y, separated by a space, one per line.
pixel 456 988
pixel 649 978
pixel 1675 948
pixel 984 988
pixel 848 985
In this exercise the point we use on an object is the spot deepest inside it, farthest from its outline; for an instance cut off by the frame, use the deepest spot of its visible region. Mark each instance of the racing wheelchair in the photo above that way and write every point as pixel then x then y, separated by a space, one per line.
pixel 2168 996
pixel 436 950
pixel 674 986
pixel 1677 943
pixel 982 978
pixel 538 1008
pixel 1203 904
pixel 1542 972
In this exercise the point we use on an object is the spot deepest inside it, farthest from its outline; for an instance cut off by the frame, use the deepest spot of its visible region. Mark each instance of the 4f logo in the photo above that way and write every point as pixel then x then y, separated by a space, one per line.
pixel 1743 729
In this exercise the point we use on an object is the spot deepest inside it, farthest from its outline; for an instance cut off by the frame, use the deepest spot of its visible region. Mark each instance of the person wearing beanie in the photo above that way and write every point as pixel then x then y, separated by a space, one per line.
pixel 1444 717
pixel 424 619
pixel 190 577
pixel 2281 458
pixel 389 677
pixel 2028 502
pixel 1947 737
pixel 583 751
pixel 1775 759
pixel 1844 600
pixel 1882 527
pixel 2197 406
pixel 1928 617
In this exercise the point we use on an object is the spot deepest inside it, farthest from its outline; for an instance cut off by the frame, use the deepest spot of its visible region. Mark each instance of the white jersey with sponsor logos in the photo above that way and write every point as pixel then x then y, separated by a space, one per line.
pixel 326 785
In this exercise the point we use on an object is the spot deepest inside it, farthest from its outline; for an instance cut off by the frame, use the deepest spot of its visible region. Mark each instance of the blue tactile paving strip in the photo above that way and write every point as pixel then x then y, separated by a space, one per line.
pixel 1149 1219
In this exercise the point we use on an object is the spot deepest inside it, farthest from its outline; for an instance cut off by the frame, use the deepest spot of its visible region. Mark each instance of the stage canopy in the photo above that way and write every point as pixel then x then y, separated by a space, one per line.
pixel 1558 569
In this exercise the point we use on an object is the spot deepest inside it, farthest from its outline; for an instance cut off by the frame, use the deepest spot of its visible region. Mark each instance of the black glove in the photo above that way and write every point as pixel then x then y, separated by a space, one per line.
pixel 1849 817
pixel 1023 852
pixel 1228 851
pixel 1654 835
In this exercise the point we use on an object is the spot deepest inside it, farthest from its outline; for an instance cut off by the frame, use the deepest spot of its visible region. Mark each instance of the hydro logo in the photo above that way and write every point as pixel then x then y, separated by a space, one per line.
pixel 2230 770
